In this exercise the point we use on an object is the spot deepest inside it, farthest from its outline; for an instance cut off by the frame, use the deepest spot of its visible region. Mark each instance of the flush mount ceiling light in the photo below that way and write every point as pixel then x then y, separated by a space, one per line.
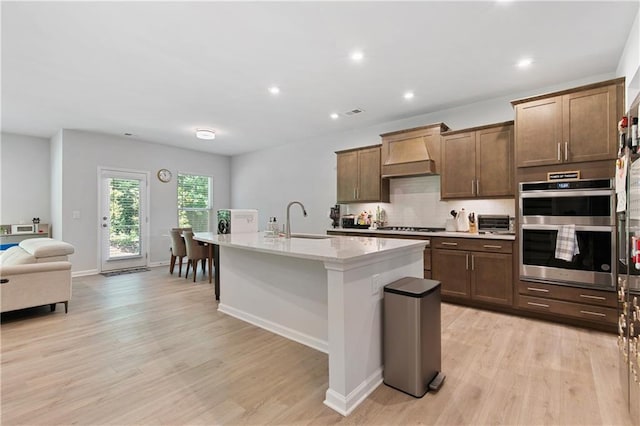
pixel 408 95
pixel 274 90
pixel 205 134
pixel 334 116
pixel 357 56
pixel 524 62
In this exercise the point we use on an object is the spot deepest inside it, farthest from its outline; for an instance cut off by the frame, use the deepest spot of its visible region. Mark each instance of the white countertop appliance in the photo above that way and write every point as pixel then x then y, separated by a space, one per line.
pixel 237 221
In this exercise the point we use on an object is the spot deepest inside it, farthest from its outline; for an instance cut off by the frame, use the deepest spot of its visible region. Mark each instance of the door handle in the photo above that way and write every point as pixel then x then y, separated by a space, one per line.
pixel 467 261
pixel 472 263
pixel 449 244
pixel 566 151
pixel 473 186
pixel 477 186
pixel 559 158
pixel 4 280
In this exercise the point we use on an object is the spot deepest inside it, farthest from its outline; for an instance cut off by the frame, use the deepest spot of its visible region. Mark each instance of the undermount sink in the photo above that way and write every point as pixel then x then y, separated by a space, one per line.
pixel 310 236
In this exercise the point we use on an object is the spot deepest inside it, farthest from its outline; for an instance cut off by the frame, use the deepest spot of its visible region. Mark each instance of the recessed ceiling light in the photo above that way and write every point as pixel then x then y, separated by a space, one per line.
pixel 357 56
pixel 409 95
pixel 274 90
pixel 205 134
pixel 334 116
pixel 524 62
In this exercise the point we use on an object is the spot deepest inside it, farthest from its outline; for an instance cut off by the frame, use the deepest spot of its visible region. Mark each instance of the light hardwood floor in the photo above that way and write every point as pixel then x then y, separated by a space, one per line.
pixel 149 348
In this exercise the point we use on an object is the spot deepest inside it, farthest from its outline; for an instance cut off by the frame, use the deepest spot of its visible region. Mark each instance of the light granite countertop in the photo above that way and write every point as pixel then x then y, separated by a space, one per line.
pixel 377 232
pixel 325 248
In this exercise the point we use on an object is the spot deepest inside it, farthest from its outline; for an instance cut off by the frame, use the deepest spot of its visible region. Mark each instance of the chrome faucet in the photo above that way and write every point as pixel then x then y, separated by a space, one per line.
pixel 287 229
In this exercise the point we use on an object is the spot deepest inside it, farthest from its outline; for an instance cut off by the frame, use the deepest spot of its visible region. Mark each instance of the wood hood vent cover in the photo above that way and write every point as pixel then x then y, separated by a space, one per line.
pixel 412 152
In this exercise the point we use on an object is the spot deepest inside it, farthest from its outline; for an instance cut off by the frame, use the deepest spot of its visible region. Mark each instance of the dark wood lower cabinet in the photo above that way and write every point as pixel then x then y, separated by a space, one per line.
pixel 450 267
pixel 584 304
pixel 491 278
pixel 478 270
pixel 485 277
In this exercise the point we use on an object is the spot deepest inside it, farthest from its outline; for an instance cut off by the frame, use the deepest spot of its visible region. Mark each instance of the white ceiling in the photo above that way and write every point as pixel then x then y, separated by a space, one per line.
pixel 159 70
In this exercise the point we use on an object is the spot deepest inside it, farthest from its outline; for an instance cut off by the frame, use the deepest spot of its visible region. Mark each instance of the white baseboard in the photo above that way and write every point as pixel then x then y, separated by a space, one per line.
pixel 84 273
pixel 296 336
pixel 161 263
pixel 345 405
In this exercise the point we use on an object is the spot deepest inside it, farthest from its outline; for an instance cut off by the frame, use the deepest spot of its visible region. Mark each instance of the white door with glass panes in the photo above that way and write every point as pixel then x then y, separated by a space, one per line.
pixel 123 219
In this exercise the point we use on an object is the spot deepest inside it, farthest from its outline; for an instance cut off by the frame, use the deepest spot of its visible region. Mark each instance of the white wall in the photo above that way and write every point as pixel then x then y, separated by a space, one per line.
pixel 56 185
pixel 629 65
pixel 24 179
pixel 84 152
pixel 269 179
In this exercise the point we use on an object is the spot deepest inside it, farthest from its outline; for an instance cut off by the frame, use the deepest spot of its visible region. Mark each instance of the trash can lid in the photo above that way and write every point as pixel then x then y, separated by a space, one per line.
pixel 412 287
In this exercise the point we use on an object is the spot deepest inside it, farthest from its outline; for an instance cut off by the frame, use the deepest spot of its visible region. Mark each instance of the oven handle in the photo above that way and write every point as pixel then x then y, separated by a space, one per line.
pixel 566 193
pixel 578 227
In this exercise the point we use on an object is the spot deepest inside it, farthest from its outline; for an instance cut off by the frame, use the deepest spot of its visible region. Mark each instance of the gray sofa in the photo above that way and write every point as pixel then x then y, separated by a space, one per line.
pixel 34 273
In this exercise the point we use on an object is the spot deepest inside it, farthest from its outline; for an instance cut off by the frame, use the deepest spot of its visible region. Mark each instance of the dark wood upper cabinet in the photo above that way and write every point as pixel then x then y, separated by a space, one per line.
pixel 478 162
pixel 571 126
pixel 358 176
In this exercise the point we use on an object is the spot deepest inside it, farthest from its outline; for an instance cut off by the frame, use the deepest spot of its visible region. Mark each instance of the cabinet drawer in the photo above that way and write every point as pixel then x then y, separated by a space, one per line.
pixel 572 294
pixel 451 243
pixel 473 244
pixel 570 309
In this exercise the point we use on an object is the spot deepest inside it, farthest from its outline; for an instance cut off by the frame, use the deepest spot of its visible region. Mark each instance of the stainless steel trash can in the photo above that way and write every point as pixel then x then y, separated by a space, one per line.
pixel 412 352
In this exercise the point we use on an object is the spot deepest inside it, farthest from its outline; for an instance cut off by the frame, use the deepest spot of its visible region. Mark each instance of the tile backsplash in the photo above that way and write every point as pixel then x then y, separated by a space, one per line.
pixel 415 201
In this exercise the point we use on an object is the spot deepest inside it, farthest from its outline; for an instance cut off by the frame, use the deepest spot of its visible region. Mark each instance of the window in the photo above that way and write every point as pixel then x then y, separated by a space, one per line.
pixel 195 198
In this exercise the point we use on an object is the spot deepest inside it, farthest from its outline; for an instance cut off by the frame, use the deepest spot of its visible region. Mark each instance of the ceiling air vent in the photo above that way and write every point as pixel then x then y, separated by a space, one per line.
pixel 354 111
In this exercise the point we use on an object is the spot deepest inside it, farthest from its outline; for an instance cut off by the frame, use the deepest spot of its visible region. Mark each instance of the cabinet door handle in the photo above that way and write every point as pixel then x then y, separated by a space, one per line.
pixel 449 244
pixel 473 187
pixel 4 280
pixel 566 151
pixel 477 186
pixel 588 296
pixel 595 314
pixel 492 246
pixel 540 305
pixel 559 158
pixel 466 257
pixel 541 290
pixel 473 266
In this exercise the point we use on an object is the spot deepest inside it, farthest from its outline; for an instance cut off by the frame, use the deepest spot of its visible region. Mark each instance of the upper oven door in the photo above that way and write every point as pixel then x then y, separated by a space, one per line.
pixel 581 202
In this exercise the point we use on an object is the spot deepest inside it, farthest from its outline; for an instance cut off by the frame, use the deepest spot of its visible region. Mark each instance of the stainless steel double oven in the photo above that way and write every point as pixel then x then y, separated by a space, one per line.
pixel 587 204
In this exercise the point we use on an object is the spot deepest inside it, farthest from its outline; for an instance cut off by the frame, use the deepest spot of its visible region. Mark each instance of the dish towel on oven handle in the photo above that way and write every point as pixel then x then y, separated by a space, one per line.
pixel 567 243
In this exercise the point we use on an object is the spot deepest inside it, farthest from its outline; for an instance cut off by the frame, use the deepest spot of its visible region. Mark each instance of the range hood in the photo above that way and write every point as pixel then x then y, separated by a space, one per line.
pixel 412 152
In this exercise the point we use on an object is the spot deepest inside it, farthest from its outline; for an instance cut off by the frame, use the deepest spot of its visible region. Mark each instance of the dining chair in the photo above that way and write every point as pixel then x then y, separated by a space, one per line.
pixel 195 252
pixel 178 250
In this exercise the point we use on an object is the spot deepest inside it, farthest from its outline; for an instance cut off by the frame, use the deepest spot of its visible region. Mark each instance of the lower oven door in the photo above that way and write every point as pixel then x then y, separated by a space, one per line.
pixel 594 266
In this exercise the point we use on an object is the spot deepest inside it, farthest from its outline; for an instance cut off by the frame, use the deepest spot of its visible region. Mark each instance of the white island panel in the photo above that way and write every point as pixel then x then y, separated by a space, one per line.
pixel 285 295
pixel 324 293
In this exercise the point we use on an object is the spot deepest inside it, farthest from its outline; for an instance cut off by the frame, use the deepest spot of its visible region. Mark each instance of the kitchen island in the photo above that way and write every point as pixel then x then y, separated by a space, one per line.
pixel 322 291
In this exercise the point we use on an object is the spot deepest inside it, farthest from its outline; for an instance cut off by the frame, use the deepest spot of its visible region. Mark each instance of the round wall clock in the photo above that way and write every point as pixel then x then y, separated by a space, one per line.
pixel 164 175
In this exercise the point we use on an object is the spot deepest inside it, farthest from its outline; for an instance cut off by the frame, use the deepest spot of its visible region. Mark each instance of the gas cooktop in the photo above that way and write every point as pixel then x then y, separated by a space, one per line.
pixel 409 229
